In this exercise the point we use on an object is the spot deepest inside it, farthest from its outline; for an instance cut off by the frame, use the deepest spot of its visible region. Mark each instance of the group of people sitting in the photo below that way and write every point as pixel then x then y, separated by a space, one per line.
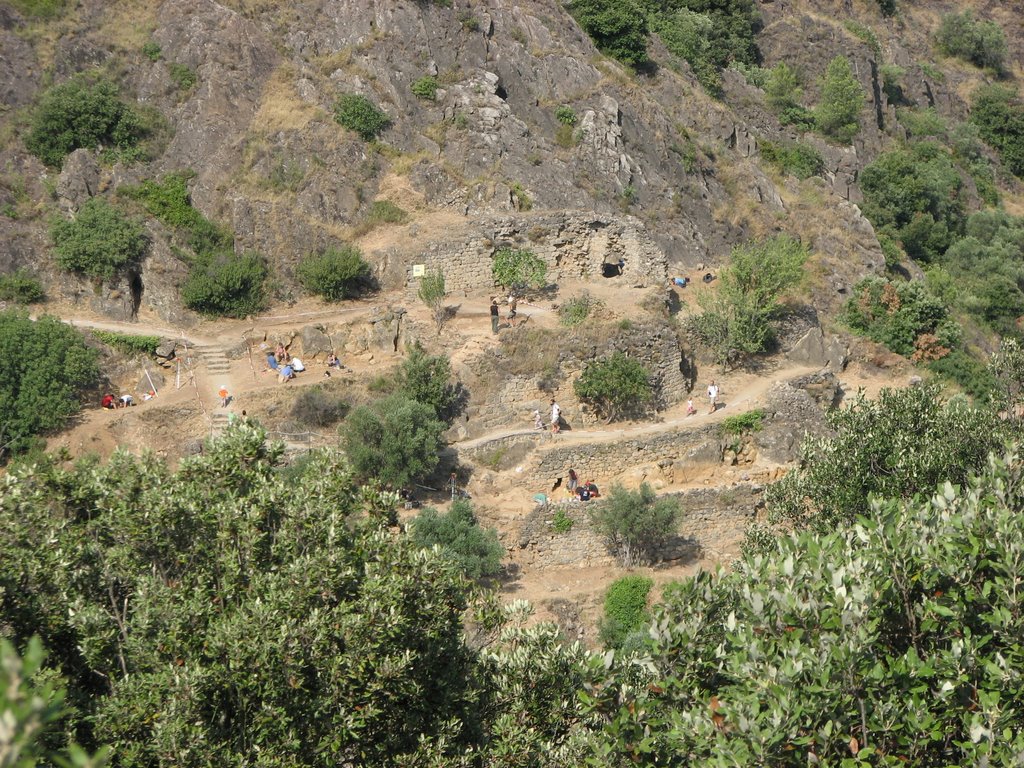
pixel 286 366
pixel 111 402
pixel 582 491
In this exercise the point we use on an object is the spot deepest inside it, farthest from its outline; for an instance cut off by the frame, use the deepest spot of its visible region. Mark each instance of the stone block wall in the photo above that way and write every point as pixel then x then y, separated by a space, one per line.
pixel 712 526
pixel 573 245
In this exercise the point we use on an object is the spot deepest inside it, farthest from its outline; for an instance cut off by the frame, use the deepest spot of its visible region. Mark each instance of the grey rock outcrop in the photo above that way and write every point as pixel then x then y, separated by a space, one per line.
pixel 815 349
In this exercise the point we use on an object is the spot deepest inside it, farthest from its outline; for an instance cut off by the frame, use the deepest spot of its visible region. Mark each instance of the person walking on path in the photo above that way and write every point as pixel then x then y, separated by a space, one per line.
pixel 713 396
pixel 494 315
pixel 224 396
pixel 538 422
pixel 513 303
pixel 556 414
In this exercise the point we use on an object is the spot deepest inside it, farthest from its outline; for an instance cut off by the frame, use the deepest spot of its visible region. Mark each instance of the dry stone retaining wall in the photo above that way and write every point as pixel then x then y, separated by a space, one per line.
pixel 713 524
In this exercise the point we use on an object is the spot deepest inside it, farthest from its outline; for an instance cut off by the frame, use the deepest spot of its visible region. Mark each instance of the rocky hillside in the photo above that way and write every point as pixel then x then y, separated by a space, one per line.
pixel 521 116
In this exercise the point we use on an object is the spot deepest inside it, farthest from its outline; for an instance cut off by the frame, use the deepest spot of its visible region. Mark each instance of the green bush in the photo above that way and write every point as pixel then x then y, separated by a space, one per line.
pixel 999 115
pixel 576 310
pixel 888 7
pixel 978 41
pixel 225 284
pixel 318 407
pixel 476 550
pixel 841 101
pixel 913 195
pixel 969 373
pixel 169 202
pixel 386 212
pixel 128 343
pixel 182 76
pixel 635 524
pixel 99 241
pixel 76 114
pixel 795 158
pixel 617 27
pixel 21 287
pixel 625 609
pixel 615 386
pixel 427 379
pixel 41 9
pixel 566 115
pixel 425 88
pixel 432 292
pixel 46 366
pixel 904 442
pixel 336 274
pixel 361 116
pixel 561 522
pixel 743 423
pixel 151 50
pixel 922 122
pixel 514 268
pixel 782 87
pixel 799 117
pixel 737 319
pixel 396 440
pixel 903 316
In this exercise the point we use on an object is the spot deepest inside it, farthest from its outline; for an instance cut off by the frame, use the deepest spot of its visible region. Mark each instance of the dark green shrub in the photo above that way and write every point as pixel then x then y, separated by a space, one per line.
pixel 76 114
pixel 317 407
pixel 615 386
pixel 617 27
pixel 561 522
pixel 782 87
pixel 128 343
pixel 182 76
pixel 903 316
pixel 21 287
pixel 999 115
pixel 798 116
pixel 795 158
pixel 427 379
pixel 635 524
pixel 980 42
pixel 970 374
pixel 168 201
pixel 566 115
pixel 576 310
pixel 512 267
pixel 625 609
pixel 360 115
pixel 888 7
pixel 840 103
pixel 425 88
pixel 151 50
pixel 225 284
pixel 46 365
pixel 336 274
pixel 396 440
pixel 41 9
pixel 751 421
pixel 460 537
pixel 99 241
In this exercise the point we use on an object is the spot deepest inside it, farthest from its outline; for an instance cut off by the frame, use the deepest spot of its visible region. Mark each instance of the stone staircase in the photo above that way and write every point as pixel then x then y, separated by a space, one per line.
pixel 218 369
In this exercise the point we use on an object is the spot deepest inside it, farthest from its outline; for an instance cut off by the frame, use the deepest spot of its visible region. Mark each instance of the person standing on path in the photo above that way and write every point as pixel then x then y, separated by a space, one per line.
pixel 513 303
pixel 713 396
pixel 224 396
pixel 494 315
pixel 556 414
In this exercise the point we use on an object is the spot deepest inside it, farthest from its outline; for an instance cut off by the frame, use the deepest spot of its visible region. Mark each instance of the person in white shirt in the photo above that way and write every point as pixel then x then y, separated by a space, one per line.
pixel 713 395
pixel 556 414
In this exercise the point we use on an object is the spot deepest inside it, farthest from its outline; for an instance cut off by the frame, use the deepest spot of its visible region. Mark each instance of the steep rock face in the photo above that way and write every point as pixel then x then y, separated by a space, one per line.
pixel 19 70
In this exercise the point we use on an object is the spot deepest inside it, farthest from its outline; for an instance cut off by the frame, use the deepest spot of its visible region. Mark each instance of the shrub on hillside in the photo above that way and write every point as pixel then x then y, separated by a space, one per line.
pixel 635 524
pixel 318 407
pixel 841 101
pixel 615 386
pixel 425 88
pixel 360 115
pixel 625 609
pixel 575 311
pixel 225 284
pixel 41 9
pixel 782 87
pixel 168 201
pixel 476 550
pixel 903 316
pixel 518 268
pixel 46 365
pixel 184 77
pixel 21 287
pixel 999 114
pixel 617 27
pixel 432 292
pixel 75 115
pixel 396 440
pixel 99 241
pixel 427 379
pixel 980 42
pixel 129 343
pixel 795 158
pixel 336 274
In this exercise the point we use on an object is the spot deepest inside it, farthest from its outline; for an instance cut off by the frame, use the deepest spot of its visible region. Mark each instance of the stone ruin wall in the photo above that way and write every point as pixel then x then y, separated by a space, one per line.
pixel 573 246
pixel 712 526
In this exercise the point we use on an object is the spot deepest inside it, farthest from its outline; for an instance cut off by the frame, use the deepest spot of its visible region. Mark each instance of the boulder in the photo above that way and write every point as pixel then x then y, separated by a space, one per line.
pixel 815 349
pixel 315 342
pixel 144 384
pixel 79 179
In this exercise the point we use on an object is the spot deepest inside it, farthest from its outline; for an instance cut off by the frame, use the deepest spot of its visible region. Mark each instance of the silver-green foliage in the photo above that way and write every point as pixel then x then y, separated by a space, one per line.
pixel 893 641
pixel 635 524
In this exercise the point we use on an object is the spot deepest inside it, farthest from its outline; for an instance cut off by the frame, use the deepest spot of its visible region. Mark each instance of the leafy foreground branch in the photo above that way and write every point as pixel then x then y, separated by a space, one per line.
pixel 231 613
